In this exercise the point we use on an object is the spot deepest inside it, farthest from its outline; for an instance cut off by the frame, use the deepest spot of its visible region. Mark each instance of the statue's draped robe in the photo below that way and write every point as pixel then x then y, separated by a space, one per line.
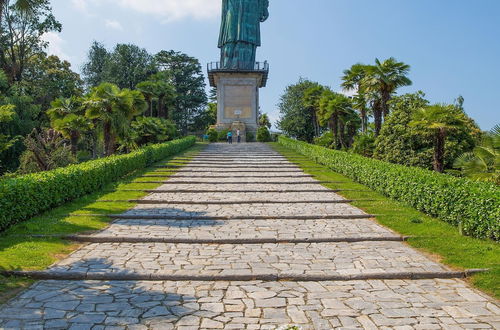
pixel 240 32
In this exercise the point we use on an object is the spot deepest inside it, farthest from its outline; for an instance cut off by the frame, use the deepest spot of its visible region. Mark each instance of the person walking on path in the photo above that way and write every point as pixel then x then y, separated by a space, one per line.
pixel 230 137
pixel 238 134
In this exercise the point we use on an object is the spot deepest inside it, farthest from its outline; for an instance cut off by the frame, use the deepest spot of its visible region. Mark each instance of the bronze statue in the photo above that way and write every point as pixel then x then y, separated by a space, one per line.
pixel 240 32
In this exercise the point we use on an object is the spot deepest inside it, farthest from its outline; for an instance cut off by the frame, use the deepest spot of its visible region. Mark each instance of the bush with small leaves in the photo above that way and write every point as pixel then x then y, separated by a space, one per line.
pixel 25 196
pixel 473 205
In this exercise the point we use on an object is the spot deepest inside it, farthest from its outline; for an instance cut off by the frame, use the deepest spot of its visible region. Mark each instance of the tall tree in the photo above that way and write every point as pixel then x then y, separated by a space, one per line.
pixel 94 70
pixel 438 120
pixel 166 93
pixel 264 121
pixel 333 107
pixel 128 65
pixel 187 78
pixel 114 109
pixel 67 115
pixel 311 101
pixel 384 78
pixel 295 119
pixel 352 80
pixel 21 34
pixel 150 91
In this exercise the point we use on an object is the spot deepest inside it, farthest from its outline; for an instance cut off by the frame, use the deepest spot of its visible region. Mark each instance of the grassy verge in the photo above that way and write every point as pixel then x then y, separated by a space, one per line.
pixel 21 248
pixel 429 234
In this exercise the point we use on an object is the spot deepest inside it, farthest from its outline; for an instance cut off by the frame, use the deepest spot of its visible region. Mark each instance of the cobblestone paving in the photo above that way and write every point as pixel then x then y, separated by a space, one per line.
pixel 390 304
pixel 369 304
pixel 245 229
pixel 255 196
pixel 283 259
pixel 273 210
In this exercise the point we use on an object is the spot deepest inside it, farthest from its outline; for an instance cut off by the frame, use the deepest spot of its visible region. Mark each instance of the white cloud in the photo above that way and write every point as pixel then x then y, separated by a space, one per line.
pixel 114 25
pixel 56 44
pixel 168 10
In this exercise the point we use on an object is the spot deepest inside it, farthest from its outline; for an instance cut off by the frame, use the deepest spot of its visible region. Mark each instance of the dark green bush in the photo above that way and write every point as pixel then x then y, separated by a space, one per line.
pixel 222 135
pixel 213 136
pixel 26 196
pixel 263 134
pixel 474 206
pixel 250 137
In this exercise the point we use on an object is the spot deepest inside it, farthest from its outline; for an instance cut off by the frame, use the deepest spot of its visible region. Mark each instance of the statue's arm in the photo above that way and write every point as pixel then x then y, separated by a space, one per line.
pixel 264 5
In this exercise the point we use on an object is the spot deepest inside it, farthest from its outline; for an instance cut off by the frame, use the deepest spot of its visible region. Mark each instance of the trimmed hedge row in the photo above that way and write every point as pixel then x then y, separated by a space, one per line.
pixel 26 196
pixel 475 206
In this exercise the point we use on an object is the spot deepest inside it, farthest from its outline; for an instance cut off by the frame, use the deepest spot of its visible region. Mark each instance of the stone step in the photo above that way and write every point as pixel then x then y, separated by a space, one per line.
pixel 224 171
pixel 251 229
pixel 248 197
pixel 222 176
pixel 195 216
pixel 238 187
pixel 219 202
pixel 173 181
pixel 286 260
pixel 245 210
pixel 225 192
pixel 239 167
pixel 145 239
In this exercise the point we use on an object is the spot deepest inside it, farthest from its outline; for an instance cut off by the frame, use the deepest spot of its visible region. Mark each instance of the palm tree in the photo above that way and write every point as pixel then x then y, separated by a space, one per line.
pixel 150 90
pixel 67 117
pixel 382 80
pixel 311 100
pixel 353 79
pixel 114 109
pixel 483 163
pixel 438 120
pixel 22 5
pixel 332 106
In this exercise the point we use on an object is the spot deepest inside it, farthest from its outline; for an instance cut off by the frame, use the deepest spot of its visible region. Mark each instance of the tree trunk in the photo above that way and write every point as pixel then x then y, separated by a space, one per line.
pixel 161 113
pixel 335 129
pixel 364 121
pixel 341 134
pixel 74 142
pixel 386 97
pixel 439 141
pixel 109 140
pixel 151 107
pixel 377 115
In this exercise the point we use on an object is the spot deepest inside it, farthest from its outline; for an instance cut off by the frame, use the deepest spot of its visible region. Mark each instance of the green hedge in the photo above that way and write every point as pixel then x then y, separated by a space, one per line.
pixel 475 206
pixel 26 196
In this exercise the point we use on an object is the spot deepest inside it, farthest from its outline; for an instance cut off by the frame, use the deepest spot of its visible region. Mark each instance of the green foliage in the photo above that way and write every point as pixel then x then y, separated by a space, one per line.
pixel 45 150
pixel 263 134
pixel 364 144
pixel 222 135
pixel 401 144
pixel 483 163
pixel 189 82
pixel 6 115
pixel 474 205
pixel 26 196
pixel 151 130
pixel 296 120
pixel 438 121
pixel 326 140
pixel 250 137
pixel 213 135
pixel 265 121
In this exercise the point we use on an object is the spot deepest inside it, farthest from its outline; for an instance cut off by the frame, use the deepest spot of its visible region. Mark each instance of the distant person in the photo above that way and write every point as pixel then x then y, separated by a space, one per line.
pixel 239 136
pixel 230 137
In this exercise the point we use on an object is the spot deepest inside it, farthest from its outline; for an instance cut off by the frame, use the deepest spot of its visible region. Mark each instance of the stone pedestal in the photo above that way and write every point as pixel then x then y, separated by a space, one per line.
pixel 238 125
pixel 238 98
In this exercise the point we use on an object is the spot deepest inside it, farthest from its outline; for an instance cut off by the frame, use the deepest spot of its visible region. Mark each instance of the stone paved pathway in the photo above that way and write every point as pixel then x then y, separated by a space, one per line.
pixel 315 245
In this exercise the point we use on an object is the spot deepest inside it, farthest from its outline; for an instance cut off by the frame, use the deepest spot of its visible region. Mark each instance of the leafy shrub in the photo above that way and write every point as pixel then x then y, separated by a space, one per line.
pixel 222 135
pixel 473 205
pixel 26 196
pixel 250 137
pixel 364 144
pixel 263 134
pixel 213 136
pixel 150 130
pixel 325 140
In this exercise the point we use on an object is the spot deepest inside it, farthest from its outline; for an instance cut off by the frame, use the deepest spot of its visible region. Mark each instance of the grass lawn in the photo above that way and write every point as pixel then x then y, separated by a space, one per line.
pixel 430 235
pixel 22 249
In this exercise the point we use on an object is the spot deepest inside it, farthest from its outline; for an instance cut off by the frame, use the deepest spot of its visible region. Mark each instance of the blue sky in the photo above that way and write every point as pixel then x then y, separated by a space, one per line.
pixel 453 46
